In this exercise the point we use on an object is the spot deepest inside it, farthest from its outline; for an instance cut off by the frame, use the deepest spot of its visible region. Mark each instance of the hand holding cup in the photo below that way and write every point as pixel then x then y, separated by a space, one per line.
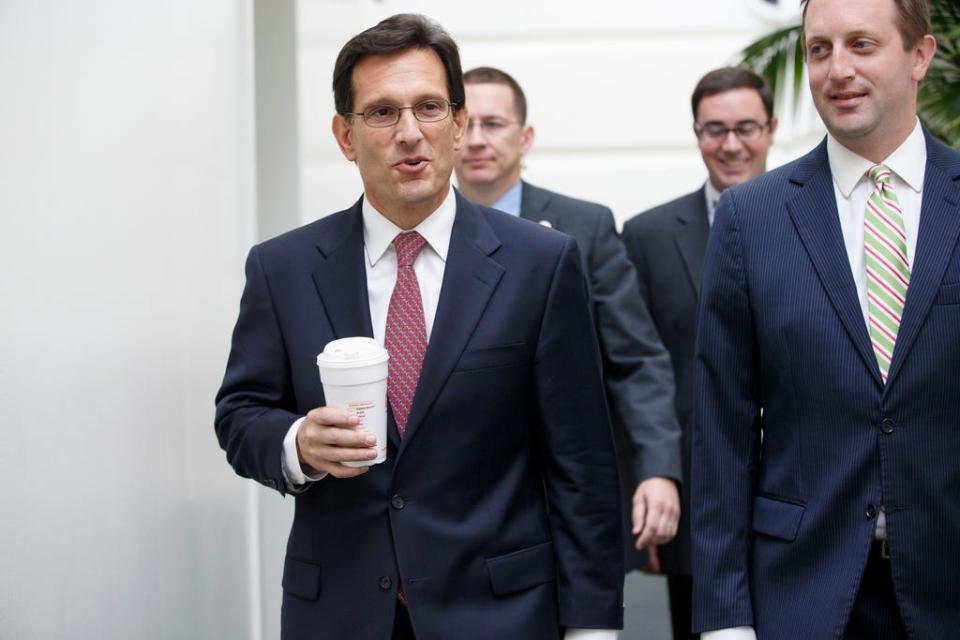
pixel 329 437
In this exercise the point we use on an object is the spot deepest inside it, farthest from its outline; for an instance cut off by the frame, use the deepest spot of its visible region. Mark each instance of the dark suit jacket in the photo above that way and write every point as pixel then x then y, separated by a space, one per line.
pixel 499 508
pixel 782 525
pixel 666 244
pixel 635 364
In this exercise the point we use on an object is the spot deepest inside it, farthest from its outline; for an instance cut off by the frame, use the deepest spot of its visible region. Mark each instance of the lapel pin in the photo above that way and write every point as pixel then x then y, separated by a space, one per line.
pixel 546 223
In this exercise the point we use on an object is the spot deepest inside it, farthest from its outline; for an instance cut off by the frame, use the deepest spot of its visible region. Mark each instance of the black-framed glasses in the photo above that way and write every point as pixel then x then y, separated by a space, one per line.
pixel 387 115
pixel 491 126
pixel 717 132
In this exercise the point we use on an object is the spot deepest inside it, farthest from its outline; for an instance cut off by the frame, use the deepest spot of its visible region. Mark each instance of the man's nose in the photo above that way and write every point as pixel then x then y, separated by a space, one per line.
pixel 840 67
pixel 732 142
pixel 475 136
pixel 408 128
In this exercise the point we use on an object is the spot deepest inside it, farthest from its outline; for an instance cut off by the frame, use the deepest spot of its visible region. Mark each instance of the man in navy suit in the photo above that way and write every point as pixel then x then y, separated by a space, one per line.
pixel 636 366
pixel 734 124
pixel 496 512
pixel 827 421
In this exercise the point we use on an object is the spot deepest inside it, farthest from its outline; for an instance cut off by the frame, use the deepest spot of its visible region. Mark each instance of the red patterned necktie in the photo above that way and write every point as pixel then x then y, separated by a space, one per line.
pixel 406 331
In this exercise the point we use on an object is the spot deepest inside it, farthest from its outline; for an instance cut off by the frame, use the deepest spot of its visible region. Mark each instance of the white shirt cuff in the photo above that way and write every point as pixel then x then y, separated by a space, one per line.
pixel 590 634
pixel 296 478
pixel 732 633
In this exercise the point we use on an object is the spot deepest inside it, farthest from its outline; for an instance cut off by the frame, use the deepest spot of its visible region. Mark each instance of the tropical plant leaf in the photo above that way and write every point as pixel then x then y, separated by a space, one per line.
pixel 768 57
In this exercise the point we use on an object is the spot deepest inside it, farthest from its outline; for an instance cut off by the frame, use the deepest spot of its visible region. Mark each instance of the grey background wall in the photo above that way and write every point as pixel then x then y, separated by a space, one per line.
pixel 126 201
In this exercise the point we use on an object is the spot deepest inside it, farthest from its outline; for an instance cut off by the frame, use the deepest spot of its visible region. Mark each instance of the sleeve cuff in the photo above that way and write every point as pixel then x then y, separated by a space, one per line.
pixel 590 634
pixel 733 633
pixel 296 479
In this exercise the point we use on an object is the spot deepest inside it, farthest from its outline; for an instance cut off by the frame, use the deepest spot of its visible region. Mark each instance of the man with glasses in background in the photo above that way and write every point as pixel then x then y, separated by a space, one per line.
pixel 734 124
pixel 496 512
pixel 636 366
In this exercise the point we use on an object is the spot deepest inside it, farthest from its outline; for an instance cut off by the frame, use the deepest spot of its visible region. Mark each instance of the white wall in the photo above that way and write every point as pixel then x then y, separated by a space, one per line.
pixel 126 202
pixel 608 85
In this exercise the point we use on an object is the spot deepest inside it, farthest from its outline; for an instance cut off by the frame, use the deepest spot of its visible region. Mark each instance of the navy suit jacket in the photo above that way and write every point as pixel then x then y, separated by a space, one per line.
pixel 636 366
pixel 499 509
pixel 666 245
pixel 783 523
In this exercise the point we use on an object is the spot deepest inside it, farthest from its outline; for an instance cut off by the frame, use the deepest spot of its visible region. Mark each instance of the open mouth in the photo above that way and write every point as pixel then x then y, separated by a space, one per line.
pixel 412 164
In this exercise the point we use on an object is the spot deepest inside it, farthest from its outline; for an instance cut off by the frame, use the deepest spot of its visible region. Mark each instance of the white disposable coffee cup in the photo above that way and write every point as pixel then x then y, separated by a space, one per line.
pixel 354 375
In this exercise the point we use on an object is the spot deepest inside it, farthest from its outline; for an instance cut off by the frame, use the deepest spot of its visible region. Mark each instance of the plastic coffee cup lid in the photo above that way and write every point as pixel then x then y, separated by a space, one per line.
pixel 347 353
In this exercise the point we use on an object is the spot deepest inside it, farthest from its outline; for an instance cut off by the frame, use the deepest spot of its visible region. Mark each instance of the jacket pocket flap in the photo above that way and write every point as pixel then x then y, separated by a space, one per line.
pixel 301 578
pixel 948 294
pixel 522 569
pixel 492 357
pixel 777 518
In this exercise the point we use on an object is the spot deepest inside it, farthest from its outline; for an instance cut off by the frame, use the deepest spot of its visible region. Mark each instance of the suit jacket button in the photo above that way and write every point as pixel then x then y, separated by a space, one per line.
pixel 396 502
pixel 385 583
pixel 871 511
pixel 886 425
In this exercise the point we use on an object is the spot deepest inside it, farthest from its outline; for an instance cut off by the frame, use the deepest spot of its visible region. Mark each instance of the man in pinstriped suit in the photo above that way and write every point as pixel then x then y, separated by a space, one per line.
pixel 826 489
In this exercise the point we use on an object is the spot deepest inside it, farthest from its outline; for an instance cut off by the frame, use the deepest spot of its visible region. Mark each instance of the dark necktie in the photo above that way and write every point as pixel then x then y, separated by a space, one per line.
pixel 406 331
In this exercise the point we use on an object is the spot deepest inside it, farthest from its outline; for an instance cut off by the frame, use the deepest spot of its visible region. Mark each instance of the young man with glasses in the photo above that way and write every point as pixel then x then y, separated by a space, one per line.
pixel 826 431
pixel 495 514
pixel 734 124
pixel 636 366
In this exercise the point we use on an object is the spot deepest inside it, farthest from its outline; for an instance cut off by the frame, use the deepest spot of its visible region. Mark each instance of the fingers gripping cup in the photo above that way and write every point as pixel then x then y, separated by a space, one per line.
pixel 354 375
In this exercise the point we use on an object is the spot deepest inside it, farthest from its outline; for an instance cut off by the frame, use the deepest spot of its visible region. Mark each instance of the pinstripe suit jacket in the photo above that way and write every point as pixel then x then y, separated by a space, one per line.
pixel 782 523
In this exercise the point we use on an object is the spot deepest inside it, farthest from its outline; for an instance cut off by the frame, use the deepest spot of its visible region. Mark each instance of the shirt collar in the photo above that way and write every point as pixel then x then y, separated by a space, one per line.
pixel 908 162
pixel 378 232
pixel 511 200
pixel 712 196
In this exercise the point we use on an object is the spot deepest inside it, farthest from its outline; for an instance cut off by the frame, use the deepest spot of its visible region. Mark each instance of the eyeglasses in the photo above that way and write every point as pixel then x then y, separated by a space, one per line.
pixel 387 115
pixel 491 126
pixel 716 132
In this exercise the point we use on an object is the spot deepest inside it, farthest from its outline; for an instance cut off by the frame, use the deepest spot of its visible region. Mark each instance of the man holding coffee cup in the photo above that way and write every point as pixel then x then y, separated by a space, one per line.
pixel 496 511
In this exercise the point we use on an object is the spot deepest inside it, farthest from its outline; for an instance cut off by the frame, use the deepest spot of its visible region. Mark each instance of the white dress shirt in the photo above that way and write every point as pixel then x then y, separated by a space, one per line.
pixel 851 188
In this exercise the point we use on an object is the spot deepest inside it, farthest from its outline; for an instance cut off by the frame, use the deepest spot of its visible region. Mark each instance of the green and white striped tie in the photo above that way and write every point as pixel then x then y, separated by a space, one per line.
pixel 888 271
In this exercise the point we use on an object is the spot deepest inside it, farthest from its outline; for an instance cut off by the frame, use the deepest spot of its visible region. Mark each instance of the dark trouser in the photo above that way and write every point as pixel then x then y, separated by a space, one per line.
pixel 402 630
pixel 875 612
pixel 680 590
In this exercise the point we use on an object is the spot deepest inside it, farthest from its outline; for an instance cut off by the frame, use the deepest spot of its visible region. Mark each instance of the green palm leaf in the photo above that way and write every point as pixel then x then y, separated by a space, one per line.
pixel 778 57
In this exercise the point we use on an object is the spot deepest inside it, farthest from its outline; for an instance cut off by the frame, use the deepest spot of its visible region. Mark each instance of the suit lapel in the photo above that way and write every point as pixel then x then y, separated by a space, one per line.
pixel 469 279
pixel 341 278
pixel 691 237
pixel 936 241
pixel 814 213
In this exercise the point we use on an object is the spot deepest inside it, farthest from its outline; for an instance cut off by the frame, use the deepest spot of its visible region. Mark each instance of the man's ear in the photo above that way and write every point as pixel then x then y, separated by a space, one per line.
pixel 773 125
pixel 343 133
pixel 925 48
pixel 460 119
pixel 527 134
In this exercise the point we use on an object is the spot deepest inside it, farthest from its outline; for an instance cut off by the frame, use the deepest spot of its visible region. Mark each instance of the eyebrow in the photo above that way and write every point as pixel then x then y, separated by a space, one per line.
pixel 815 37
pixel 741 121
pixel 381 101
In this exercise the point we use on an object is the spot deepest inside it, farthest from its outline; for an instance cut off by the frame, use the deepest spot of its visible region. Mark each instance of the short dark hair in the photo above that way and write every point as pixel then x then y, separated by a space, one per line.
pixel 394 35
pixel 491 75
pixel 730 78
pixel 913 20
